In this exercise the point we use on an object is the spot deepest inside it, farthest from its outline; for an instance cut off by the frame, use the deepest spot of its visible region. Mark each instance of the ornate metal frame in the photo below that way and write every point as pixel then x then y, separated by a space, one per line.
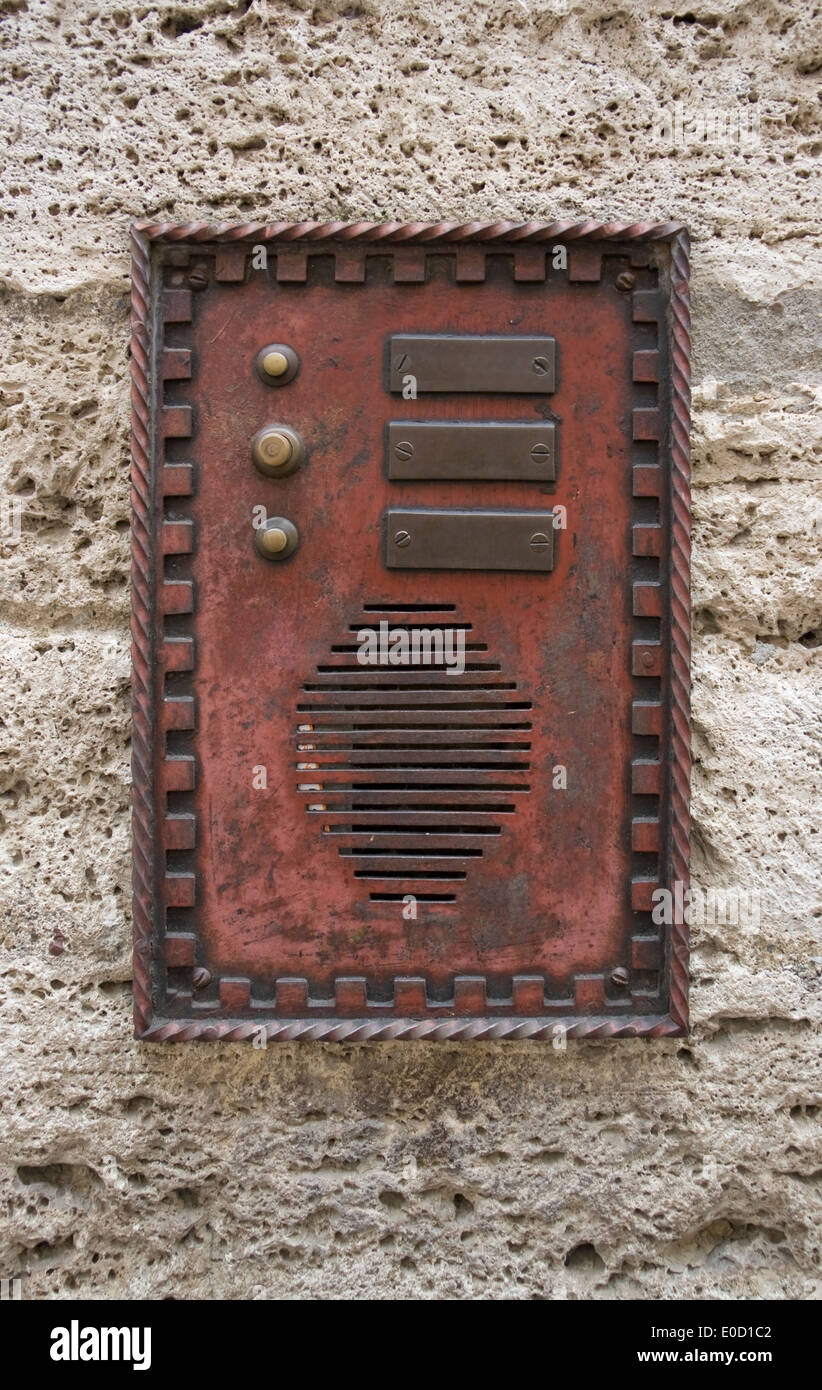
pixel 144 635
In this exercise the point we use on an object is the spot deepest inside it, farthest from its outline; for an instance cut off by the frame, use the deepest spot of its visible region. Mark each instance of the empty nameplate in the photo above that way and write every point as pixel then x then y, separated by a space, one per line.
pixel 477 363
pixel 474 452
pixel 423 538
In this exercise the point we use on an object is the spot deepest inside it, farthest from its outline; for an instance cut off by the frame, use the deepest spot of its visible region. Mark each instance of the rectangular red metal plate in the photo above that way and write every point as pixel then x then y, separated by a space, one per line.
pixel 380 791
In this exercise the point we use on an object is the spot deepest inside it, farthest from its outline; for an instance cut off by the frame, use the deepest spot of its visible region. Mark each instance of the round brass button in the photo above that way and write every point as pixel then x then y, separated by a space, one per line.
pixel 273 449
pixel 275 363
pixel 277 538
pixel 273 541
pixel 276 450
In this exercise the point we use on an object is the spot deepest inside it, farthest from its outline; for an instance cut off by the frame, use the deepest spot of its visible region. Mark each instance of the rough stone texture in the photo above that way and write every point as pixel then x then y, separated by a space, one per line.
pixel 634 1170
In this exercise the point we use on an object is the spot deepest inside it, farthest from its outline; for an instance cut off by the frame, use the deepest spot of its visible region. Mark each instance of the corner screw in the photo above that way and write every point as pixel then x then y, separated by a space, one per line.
pixel 201 977
pixel 538 541
pixel 619 976
pixel 198 277
pixel 541 366
pixel 404 449
pixel 625 280
pixel 402 538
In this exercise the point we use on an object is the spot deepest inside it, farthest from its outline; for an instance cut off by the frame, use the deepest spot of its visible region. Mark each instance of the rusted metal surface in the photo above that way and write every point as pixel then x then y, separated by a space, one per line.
pixel 532 802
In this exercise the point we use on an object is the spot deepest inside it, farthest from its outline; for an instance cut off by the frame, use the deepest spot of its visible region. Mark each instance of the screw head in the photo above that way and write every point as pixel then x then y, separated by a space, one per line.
pixel 404 449
pixel 198 277
pixel 619 977
pixel 541 366
pixel 539 541
pixel 540 451
pixel 625 280
pixel 402 538
pixel 647 658
pixel 201 977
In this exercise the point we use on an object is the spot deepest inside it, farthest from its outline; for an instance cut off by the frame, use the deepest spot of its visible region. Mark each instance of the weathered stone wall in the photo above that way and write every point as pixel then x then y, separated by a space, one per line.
pixel 610 1171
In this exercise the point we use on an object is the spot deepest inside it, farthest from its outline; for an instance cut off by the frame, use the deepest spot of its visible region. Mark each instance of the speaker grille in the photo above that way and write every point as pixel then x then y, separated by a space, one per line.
pixel 411 772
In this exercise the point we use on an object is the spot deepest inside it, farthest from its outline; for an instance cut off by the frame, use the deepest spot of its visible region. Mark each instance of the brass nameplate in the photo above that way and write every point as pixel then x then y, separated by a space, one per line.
pixel 421 362
pixel 423 538
pixel 472 452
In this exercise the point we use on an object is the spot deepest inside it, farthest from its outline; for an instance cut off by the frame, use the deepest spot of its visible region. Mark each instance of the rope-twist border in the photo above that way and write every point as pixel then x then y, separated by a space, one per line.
pixel 414 1030
pixel 680 615
pixel 414 232
pixel 142 645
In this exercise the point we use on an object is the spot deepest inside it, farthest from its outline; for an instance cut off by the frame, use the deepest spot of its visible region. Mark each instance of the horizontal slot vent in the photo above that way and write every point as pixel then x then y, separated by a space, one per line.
pixel 409 608
pixel 420 897
pixel 411 768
